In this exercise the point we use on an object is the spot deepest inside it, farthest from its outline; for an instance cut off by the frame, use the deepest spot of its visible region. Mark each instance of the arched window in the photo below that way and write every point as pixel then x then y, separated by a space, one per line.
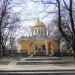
pixel 39 31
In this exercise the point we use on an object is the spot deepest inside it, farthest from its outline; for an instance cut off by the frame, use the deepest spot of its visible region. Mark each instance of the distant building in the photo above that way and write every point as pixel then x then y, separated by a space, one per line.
pixel 39 43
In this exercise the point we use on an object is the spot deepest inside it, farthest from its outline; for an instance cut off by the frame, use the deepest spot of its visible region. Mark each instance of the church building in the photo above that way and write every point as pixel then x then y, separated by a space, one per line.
pixel 39 43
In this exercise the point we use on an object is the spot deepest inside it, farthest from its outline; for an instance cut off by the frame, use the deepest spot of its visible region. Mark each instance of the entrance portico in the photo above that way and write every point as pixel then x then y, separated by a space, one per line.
pixel 41 49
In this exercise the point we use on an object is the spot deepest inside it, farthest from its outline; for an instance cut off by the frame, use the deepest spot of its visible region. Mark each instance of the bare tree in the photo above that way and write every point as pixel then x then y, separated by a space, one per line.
pixel 70 40
pixel 7 21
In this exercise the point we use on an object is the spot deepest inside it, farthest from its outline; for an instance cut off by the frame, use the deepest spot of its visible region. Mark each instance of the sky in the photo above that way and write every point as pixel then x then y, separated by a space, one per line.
pixel 30 11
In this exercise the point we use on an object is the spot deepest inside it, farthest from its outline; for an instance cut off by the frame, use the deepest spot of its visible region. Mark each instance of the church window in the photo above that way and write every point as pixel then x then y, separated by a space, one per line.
pixel 38 31
pixel 41 31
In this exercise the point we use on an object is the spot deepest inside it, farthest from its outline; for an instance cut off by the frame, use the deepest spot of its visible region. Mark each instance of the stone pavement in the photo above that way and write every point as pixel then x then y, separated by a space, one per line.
pixel 13 67
pixel 37 69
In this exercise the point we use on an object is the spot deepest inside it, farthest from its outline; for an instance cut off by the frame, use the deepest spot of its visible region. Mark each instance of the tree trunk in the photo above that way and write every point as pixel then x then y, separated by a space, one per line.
pixel 73 47
pixel 2 47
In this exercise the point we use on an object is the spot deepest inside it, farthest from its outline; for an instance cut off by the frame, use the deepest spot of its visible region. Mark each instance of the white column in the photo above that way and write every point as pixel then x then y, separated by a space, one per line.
pixel 46 49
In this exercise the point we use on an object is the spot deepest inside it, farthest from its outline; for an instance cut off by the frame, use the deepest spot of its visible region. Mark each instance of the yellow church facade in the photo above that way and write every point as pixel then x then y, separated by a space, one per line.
pixel 39 43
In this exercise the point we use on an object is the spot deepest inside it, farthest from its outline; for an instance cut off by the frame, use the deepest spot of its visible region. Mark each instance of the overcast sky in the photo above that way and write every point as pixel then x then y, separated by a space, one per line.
pixel 30 11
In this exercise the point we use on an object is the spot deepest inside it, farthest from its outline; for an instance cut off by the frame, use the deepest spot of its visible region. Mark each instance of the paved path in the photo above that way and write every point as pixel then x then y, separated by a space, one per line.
pixel 36 67
pixel 40 68
pixel 36 70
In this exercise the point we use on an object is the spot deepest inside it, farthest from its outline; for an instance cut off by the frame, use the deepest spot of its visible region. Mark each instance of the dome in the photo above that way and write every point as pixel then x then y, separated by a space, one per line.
pixel 38 23
pixel 39 30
